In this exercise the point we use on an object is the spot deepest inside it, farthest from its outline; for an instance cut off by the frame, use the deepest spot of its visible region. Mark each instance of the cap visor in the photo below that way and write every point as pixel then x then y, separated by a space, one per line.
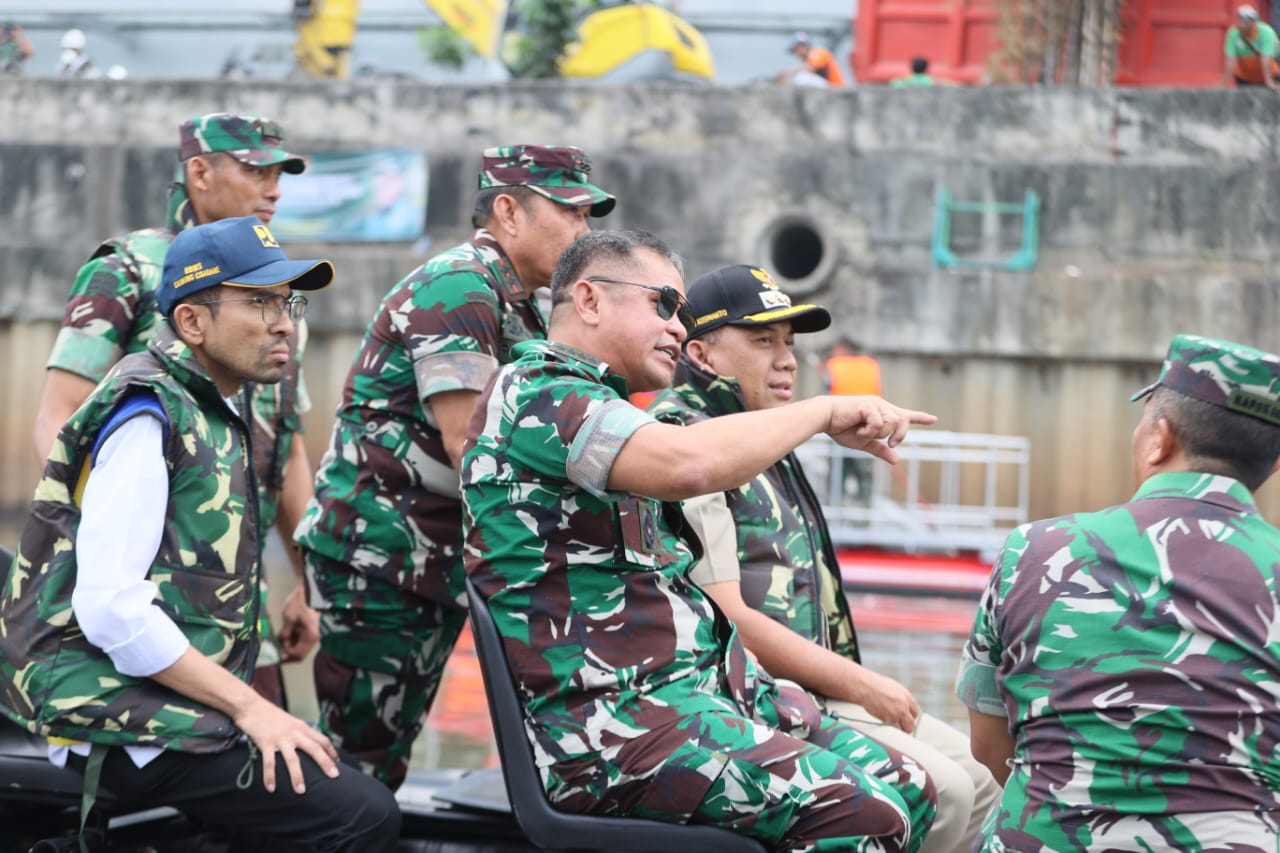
pixel 293 164
pixel 1144 392
pixel 804 318
pixel 299 275
pixel 579 195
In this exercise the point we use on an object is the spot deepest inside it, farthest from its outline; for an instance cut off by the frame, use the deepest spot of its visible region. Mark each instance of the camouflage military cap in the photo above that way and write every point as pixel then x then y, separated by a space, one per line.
pixel 747 296
pixel 560 174
pixel 248 138
pixel 1226 374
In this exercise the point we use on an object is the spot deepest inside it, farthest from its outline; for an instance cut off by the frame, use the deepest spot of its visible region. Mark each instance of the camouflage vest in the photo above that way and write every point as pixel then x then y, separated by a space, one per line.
pixel 142 254
pixel 52 680
pixel 274 408
pixel 782 534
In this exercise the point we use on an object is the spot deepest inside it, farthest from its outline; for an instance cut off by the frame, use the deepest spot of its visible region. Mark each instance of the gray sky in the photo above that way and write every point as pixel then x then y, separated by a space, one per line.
pixel 183 39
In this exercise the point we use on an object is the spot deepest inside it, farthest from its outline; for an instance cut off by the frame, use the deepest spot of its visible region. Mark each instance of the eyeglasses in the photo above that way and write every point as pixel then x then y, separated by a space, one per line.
pixel 273 306
pixel 670 301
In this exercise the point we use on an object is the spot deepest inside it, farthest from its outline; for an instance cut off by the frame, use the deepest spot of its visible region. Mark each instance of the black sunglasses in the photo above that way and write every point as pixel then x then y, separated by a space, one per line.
pixel 670 301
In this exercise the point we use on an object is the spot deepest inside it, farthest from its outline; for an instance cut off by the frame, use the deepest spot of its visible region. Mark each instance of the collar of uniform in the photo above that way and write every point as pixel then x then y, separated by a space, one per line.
pixel 706 391
pixel 584 363
pixel 1225 492
pixel 504 273
pixel 180 215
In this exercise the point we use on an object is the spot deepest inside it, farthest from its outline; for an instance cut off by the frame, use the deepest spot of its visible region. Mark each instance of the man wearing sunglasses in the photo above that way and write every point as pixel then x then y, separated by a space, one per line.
pixel 639 697
pixel 231 166
pixel 128 633
pixel 770 563
pixel 383 537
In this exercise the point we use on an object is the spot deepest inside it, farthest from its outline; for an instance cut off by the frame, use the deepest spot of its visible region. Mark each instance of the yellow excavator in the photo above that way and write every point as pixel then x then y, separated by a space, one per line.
pixel 622 43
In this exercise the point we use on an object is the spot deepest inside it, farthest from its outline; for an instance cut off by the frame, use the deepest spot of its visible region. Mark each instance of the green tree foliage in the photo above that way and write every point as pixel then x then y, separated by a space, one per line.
pixel 444 46
pixel 545 29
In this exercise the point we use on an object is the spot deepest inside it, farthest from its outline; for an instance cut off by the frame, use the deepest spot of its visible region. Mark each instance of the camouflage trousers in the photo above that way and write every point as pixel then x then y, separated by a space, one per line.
pixel 381 658
pixel 834 789
pixel 1197 832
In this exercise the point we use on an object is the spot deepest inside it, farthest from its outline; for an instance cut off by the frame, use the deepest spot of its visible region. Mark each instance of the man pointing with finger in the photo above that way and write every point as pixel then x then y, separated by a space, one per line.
pixel 639 697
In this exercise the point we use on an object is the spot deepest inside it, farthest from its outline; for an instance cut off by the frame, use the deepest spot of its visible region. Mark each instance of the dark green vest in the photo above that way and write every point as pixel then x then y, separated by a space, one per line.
pixel 783 542
pixel 52 680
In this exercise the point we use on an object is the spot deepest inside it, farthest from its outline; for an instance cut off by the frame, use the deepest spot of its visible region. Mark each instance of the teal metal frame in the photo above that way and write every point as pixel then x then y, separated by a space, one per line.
pixel 1021 260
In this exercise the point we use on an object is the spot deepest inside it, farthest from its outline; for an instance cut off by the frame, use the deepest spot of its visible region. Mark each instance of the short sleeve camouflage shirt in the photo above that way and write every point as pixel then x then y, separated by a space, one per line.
pixel 603 630
pixel 387 500
pixel 1136 652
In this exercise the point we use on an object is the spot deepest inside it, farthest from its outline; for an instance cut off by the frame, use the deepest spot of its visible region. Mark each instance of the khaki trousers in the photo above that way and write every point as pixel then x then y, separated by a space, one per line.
pixel 966 789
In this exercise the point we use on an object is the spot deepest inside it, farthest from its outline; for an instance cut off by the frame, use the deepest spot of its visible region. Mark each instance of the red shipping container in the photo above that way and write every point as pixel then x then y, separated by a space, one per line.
pixel 1164 42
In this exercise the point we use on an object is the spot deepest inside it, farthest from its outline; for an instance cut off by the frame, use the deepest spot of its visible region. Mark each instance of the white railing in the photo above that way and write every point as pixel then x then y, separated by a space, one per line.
pixel 950 491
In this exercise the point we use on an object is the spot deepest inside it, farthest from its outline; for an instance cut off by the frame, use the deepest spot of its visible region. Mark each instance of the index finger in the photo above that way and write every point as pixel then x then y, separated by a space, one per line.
pixel 903 424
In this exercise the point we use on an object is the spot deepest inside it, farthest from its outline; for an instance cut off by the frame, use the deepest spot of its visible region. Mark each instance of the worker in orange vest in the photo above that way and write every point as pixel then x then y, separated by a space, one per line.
pixel 818 62
pixel 851 371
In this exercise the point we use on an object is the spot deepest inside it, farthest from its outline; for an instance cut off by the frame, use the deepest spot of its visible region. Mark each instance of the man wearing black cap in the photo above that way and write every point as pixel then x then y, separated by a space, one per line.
pixel 769 560
pixel 232 164
pixel 383 537
pixel 128 631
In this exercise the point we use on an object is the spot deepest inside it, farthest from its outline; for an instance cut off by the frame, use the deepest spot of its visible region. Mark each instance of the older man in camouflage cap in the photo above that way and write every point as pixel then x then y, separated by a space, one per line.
pixel 1123 664
pixel 383 537
pixel 231 167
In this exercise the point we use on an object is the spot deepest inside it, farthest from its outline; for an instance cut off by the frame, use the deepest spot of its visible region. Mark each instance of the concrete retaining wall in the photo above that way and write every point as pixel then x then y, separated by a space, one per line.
pixel 1159 213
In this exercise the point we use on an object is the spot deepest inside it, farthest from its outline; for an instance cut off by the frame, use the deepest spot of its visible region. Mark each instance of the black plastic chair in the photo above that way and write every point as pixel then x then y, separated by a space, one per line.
pixel 38 798
pixel 555 830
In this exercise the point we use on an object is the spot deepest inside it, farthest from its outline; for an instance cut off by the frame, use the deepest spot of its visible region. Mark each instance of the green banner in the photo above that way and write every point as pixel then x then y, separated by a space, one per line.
pixel 375 195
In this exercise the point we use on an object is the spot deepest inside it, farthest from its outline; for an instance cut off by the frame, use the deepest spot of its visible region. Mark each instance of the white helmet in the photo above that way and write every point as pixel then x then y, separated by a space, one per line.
pixel 73 40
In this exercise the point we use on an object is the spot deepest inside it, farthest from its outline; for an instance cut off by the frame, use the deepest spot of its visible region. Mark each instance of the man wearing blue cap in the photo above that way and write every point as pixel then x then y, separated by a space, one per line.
pixel 127 629
pixel 232 164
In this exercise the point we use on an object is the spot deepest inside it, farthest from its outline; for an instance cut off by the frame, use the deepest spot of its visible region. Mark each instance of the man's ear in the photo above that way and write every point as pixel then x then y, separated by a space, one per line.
pixel 191 323
pixel 507 214
pixel 198 170
pixel 1162 443
pixel 699 352
pixel 586 301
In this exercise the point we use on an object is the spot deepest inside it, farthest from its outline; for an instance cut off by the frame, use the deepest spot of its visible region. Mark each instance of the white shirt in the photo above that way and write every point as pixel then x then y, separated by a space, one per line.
pixel 122 514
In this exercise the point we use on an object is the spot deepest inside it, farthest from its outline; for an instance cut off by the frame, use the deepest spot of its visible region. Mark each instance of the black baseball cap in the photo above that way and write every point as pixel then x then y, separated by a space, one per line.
pixel 744 295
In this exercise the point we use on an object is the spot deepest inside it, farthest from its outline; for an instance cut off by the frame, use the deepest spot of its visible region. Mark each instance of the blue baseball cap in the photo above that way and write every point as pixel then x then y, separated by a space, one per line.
pixel 239 252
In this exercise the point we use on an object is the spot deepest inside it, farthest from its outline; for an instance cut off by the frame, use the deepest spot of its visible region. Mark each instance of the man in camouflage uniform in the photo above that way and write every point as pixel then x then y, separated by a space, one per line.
pixel 639 698
pixel 232 164
pixel 769 561
pixel 127 620
pixel 1123 664
pixel 383 536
